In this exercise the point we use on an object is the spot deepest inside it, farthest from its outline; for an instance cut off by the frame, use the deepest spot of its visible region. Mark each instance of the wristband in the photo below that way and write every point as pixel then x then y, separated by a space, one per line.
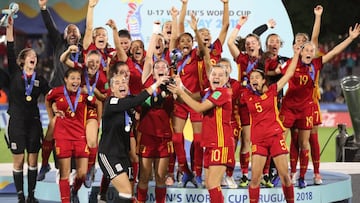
pixel 238 26
pixel 156 28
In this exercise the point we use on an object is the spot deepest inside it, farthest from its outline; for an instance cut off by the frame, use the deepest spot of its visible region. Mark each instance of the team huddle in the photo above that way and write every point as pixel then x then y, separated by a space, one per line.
pixel 142 100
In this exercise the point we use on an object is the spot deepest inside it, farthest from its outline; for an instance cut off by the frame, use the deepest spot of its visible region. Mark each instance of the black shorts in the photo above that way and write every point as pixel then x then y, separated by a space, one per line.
pixel 112 166
pixel 24 134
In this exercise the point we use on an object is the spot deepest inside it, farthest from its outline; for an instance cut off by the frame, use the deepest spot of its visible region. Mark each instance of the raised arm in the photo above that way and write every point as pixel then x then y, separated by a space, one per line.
pixel 88 38
pixel 263 28
pixel 353 34
pixel 65 56
pixel 182 16
pixel 174 28
pixel 318 10
pixel 13 68
pixel 234 51
pixel 225 22
pixel 148 64
pixel 290 71
pixel 120 52
pixel 50 25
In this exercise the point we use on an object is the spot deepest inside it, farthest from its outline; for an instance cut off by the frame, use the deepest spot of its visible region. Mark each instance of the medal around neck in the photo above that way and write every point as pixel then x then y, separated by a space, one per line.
pixel 28 98
pixel 72 114
pixel 90 98
pixel 127 128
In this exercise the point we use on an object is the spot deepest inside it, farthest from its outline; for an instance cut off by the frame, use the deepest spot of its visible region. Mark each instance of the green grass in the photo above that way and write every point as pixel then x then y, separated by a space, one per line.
pixel 328 154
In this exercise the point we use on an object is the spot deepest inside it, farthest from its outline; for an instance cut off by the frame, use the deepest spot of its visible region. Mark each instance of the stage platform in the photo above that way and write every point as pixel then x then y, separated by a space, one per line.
pixel 336 188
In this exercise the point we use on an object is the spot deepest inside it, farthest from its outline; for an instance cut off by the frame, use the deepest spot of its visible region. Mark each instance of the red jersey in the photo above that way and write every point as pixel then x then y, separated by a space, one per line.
pixel 216 126
pixel 101 81
pixel 264 114
pixel 135 83
pixel 106 54
pixel 155 115
pixel 189 73
pixel 245 66
pixel 235 100
pixel 215 56
pixel 69 128
pixel 301 84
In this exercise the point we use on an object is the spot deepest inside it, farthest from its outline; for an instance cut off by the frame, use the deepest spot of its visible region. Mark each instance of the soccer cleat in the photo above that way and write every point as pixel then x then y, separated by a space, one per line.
pixel 230 182
pixel 265 181
pixel 199 182
pixel 170 180
pixel 244 181
pixel 72 176
pixel 31 200
pixel 188 178
pixel 74 198
pixel 101 198
pixel 90 175
pixel 302 183
pixel 179 176
pixel 317 179
pixel 42 172
pixel 21 198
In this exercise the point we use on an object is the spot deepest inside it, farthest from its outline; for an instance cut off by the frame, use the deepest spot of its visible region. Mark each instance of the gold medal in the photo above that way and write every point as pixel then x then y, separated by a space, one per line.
pixel 244 83
pixel 28 98
pixel 163 94
pixel 155 99
pixel 90 98
pixel 72 114
pixel 127 128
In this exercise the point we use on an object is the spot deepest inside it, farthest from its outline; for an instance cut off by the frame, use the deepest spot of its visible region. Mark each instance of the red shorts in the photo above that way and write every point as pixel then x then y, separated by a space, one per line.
pixel 155 147
pixel 272 146
pixel 298 118
pixel 236 130
pixel 219 156
pixel 244 115
pixel 69 148
pixel 91 113
pixel 317 114
pixel 182 111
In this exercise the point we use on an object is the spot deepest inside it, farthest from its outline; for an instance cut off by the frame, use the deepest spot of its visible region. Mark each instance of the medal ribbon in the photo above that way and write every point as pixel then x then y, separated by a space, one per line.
pixel 29 87
pixel 76 57
pixel 182 66
pixel 162 57
pixel 249 68
pixel 92 88
pixel 137 66
pixel 72 108
pixel 206 96
pixel 127 119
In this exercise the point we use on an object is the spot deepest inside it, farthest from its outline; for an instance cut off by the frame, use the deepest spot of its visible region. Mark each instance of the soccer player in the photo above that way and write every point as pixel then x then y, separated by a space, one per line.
pixel 115 161
pixel 69 132
pixel 25 131
pixel 266 129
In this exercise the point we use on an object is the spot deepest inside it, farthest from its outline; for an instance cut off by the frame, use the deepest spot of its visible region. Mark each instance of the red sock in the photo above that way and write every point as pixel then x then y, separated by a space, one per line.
pixel 294 151
pixel 171 165
pixel 47 147
pixel 64 190
pixel 288 193
pixel 229 171
pixel 216 195
pixel 92 157
pixel 304 161
pixel 244 162
pixel 315 151
pixel 198 154
pixel 135 166
pixel 267 165
pixel 254 194
pixel 141 194
pixel 178 140
pixel 160 194
pixel 77 183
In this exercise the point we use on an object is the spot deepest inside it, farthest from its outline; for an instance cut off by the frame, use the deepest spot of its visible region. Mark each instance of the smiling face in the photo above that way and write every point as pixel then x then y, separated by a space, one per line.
pixel 30 60
pixel 100 38
pixel 72 34
pixel 252 46
pixel 119 86
pixel 218 77
pixel 93 61
pixel 273 44
pixel 166 30
pixel 257 81
pixel 185 43
pixel 72 80
pixel 307 53
pixel 161 68
pixel 205 37
pixel 137 50
pixel 160 45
